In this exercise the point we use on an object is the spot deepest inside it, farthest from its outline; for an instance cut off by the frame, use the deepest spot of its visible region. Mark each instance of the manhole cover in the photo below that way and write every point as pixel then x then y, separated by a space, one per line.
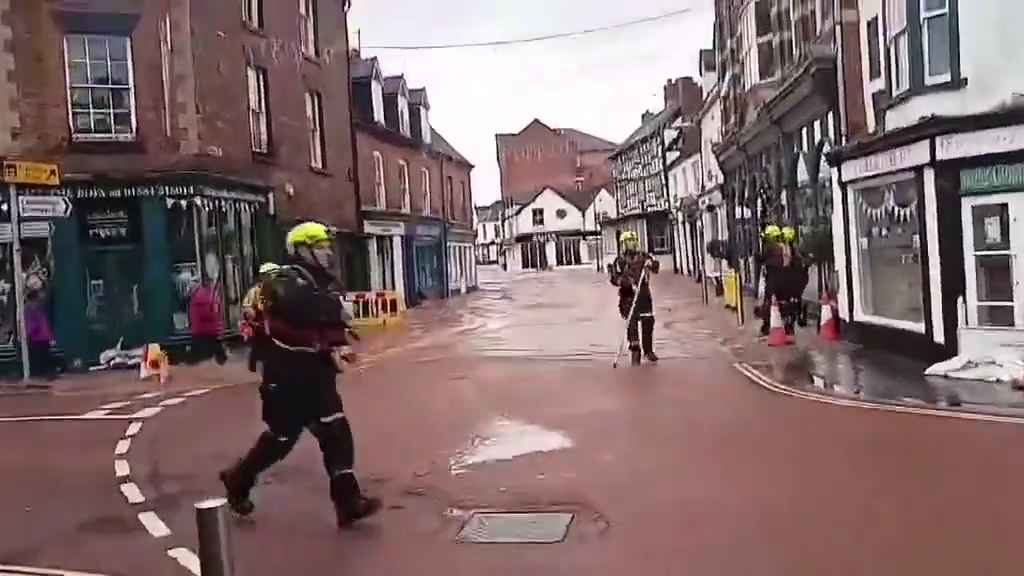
pixel 516 528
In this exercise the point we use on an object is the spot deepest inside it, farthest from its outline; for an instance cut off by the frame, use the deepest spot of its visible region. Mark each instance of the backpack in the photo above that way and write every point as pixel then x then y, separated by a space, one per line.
pixel 293 296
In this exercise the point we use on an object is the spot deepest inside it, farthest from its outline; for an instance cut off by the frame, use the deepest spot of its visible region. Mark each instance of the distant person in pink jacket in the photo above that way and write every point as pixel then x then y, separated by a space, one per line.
pixel 40 336
pixel 207 322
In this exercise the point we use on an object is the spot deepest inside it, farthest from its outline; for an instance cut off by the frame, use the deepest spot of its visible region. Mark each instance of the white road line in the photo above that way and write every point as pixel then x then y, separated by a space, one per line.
pixel 148 412
pixel 132 493
pixel 148 395
pixel 186 558
pixel 154 525
pixel 95 413
pixel 765 382
pixel 63 418
pixel 25 570
pixel 133 429
pixel 123 445
pixel 115 405
pixel 194 393
pixel 121 469
pixel 172 402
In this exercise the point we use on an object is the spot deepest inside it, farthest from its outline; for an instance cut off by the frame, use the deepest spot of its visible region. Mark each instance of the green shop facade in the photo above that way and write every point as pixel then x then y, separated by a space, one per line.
pixel 122 267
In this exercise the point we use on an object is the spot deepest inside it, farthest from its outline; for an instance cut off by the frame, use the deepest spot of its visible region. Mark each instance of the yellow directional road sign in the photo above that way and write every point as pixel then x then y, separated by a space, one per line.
pixel 18 172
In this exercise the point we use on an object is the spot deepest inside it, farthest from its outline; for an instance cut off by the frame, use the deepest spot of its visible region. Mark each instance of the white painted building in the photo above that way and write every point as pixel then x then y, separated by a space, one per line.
pixel 684 188
pixel 713 223
pixel 488 233
pixel 550 231
pixel 930 204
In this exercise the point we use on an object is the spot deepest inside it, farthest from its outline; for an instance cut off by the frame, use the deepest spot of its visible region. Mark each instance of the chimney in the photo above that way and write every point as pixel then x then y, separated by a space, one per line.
pixel 685 93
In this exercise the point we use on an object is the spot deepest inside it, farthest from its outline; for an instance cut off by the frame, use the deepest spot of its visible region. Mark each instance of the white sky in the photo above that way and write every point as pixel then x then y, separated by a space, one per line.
pixel 600 83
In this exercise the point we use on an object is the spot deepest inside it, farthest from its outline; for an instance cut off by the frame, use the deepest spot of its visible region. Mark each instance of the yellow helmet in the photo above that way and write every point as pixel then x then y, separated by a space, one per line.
pixel 772 233
pixel 629 239
pixel 308 234
pixel 788 235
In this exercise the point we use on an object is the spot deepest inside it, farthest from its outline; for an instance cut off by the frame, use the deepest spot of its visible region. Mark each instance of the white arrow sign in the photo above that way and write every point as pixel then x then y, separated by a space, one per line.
pixel 44 207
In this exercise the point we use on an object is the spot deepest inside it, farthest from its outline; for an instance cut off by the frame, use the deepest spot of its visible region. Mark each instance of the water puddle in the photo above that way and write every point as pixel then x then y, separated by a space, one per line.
pixel 506 439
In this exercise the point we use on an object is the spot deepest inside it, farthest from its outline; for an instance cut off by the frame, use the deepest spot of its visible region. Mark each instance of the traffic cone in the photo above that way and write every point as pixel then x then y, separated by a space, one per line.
pixel 827 327
pixel 154 363
pixel 777 332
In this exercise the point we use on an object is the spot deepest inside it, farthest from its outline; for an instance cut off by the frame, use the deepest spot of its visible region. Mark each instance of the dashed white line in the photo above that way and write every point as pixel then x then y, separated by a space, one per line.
pixel 172 402
pixel 123 445
pixel 148 395
pixel 186 558
pixel 194 393
pixel 121 469
pixel 133 429
pixel 115 405
pixel 27 571
pixel 132 493
pixel 154 525
pixel 95 413
pixel 148 412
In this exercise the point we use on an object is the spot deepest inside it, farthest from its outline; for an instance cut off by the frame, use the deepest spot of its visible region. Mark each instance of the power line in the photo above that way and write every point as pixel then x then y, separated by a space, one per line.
pixel 534 39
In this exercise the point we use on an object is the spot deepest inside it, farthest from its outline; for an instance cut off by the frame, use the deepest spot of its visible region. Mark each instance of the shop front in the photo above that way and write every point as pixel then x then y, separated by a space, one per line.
pixel 461 265
pixel 386 253
pixel 122 267
pixel 424 262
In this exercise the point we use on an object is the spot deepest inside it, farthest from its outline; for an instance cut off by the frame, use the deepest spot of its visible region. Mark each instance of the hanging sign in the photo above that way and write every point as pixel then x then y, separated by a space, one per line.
pixel 18 172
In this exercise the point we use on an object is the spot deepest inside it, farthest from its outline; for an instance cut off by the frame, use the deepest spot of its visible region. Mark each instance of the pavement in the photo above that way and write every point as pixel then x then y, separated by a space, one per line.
pixel 506 400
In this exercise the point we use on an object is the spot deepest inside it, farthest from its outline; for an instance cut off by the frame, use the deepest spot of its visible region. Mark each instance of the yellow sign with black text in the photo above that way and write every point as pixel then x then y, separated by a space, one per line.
pixel 37 173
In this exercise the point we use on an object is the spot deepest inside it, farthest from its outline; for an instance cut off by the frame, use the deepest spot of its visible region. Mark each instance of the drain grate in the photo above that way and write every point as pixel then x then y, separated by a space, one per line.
pixel 516 528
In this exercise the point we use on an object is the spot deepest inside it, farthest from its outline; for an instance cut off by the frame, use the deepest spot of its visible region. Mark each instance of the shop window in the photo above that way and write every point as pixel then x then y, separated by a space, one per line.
pixel 234 281
pixel 184 264
pixel 223 244
pixel 889 251
pixel 101 87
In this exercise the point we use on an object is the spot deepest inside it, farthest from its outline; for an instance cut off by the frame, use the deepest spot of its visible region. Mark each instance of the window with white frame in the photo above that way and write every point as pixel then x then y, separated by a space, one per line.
pixel 897 44
pixel 259 121
pixel 308 28
pixel 379 189
pixel 936 41
pixel 403 185
pixel 101 87
pixel 425 186
pixel 315 123
pixel 252 13
pixel 425 124
pixel 378 100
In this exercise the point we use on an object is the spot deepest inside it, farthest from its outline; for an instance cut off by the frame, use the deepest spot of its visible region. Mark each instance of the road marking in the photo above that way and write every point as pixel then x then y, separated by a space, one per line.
pixel 63 418
pixel 115 405
pixel 172 402
pixel 123 445
pixel 121 469
pixel 195 393
pixel 95 413
pixel 148 395
pixel 186 558
pixel 133 429
pixel 154 525
pixel 147 412
pixel 765 382
pixel 27 571
pixel 132 493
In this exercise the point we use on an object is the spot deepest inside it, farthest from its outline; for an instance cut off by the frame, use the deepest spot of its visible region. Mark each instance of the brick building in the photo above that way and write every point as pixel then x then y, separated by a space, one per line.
pixel 538 157
pixel 188 134
pixel 415 190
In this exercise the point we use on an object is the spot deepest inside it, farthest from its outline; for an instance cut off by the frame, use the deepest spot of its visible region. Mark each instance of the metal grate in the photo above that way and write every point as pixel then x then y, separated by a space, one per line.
pixel 516 528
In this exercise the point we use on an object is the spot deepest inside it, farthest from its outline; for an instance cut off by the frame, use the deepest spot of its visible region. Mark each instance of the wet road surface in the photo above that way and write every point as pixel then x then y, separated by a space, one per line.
pixel 506 400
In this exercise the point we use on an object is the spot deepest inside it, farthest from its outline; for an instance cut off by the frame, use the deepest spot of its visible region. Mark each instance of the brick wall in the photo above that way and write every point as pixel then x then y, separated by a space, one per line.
pixel 208 115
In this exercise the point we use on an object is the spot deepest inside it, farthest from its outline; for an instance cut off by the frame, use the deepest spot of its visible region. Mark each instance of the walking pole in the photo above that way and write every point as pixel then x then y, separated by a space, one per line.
pixel 629 318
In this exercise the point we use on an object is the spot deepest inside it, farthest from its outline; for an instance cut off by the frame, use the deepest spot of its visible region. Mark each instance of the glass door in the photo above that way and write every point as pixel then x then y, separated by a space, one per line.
pixel 993 247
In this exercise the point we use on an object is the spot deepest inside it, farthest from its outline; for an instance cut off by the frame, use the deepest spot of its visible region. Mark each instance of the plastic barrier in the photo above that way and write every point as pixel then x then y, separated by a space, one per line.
pixel 375 308
pixel 732 289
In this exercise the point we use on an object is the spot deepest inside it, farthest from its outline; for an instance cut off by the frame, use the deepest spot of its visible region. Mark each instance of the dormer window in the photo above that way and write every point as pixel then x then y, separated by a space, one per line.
pixel 403 114
pixel 425 124
pixel 377 87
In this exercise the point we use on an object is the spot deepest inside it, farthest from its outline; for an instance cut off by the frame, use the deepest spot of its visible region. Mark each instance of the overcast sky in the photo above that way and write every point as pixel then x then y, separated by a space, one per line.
pixel 600 83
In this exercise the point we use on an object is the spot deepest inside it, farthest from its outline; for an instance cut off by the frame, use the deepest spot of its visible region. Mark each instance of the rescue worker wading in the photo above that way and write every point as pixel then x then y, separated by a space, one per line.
pixel 626 273
pixel 308 330
pixel 252 316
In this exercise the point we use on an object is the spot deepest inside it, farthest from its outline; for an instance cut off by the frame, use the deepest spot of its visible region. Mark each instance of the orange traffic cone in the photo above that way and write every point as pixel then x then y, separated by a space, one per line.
pixel 827 327
pixel 777 333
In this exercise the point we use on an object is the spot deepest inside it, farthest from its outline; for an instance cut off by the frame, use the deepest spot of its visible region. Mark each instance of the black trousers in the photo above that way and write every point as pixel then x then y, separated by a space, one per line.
pixel 39 361
pixel 205 347
pixel 299 394
pixel 640 334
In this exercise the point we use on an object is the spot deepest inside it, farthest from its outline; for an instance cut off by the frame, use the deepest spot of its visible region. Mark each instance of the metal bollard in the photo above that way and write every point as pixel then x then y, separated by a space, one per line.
pixel 215 555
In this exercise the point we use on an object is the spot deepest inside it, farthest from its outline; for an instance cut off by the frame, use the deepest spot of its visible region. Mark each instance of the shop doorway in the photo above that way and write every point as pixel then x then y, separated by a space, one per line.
pixel 114 307
pixel 994 257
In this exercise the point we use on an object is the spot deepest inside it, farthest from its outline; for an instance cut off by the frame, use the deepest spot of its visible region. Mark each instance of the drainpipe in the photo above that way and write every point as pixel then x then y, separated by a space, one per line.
pixel 444 233
pixel 355 157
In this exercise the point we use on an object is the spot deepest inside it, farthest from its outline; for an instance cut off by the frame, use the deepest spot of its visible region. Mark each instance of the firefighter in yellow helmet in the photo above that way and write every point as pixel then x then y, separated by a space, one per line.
pixel 252 315
pixel 627 274
pixel 308 329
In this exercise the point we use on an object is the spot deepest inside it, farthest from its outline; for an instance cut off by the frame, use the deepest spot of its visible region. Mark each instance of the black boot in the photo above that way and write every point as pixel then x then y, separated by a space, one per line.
pixel 240 479
pixel 359 508
pixel 238 493
pixel 651 357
